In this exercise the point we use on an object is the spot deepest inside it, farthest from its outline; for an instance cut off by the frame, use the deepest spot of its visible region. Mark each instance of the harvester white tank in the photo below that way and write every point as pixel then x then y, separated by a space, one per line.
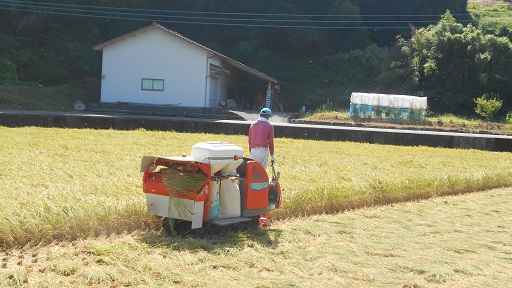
pixel 220 155
pixel 204 150
pixel 224 157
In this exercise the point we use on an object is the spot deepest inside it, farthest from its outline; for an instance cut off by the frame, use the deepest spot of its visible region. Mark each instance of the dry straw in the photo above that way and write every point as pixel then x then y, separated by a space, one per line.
pixel 184 183
pixel 188 183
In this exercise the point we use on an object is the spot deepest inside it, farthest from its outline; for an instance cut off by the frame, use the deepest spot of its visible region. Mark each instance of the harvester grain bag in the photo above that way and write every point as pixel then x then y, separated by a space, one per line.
pixel 230 197
pixel 215 198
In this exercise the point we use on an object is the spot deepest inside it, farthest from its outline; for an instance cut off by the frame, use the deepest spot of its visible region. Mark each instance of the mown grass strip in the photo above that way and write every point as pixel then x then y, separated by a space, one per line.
pixel 64 184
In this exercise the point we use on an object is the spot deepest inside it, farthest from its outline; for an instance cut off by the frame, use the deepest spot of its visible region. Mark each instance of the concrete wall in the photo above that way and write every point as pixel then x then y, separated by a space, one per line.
pixel 298 131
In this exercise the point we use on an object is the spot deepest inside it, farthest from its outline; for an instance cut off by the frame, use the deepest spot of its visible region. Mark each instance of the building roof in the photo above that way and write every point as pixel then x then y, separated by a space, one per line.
pixel 157 26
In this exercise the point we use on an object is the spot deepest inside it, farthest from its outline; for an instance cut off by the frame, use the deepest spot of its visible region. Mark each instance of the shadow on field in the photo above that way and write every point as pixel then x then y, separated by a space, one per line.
pixel 268 238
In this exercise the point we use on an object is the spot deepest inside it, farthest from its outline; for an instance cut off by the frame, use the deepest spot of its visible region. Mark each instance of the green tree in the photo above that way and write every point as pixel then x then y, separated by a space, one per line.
pixel 455 64
pixel 487 105
pixel 423 10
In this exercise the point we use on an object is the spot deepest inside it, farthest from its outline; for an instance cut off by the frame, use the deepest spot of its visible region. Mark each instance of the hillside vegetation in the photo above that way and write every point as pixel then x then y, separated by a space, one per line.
pixel 451 57
pixel 492 14
pixel 30 96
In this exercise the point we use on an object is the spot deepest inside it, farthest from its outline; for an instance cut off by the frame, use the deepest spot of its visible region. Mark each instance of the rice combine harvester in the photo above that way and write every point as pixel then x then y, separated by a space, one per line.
pixel 215 186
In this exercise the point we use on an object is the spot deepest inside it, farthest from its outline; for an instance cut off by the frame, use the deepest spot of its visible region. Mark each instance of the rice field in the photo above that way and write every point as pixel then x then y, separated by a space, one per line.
pixel 66 184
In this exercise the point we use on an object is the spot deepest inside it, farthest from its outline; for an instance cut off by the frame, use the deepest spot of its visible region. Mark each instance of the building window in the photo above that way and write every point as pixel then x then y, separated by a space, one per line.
pixel 153 84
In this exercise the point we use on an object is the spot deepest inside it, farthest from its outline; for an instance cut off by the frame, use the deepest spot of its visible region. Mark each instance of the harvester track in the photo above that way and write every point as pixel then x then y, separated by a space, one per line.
pixel 173 227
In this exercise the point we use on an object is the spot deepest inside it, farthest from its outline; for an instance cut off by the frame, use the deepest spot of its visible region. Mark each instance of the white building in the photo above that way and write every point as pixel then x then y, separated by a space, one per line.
pixel 155 65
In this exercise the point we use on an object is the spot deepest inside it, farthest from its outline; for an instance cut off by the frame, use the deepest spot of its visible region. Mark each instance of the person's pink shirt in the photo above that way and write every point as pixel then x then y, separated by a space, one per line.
pixel 261 134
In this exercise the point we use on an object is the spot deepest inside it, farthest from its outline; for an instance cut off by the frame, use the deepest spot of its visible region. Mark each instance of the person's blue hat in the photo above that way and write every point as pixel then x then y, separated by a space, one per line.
pixel 266 111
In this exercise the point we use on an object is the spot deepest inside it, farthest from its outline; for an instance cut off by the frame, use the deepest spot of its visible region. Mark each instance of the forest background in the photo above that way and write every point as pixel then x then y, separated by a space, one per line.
pixel 323 50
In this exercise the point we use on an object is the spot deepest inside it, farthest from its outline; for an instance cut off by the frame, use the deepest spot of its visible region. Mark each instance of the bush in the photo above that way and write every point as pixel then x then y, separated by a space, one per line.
pixel 327 107
pixel 7 70
pixel 509 117
pixel 487 105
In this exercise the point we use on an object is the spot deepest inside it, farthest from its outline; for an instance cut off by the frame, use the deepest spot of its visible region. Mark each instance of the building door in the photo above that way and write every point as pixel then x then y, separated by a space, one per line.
pixel 214 85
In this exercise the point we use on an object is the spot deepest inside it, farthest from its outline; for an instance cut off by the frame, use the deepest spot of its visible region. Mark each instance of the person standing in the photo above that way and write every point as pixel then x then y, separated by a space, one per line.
pixel 261 138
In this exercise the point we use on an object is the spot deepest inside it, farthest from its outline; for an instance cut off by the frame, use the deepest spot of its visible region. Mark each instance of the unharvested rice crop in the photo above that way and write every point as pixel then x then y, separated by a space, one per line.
pixel 62 184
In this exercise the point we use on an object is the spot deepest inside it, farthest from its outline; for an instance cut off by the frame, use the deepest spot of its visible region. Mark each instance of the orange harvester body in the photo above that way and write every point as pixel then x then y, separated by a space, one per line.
pixel 230 189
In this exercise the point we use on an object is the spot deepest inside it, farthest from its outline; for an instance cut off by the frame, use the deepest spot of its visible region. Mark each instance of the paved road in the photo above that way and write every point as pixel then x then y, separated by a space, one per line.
pixel 247 115
pixel 277 117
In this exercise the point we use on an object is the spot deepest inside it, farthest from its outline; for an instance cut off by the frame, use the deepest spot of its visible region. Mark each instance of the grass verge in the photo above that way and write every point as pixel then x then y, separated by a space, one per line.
pixel 31 96
pixel 445 122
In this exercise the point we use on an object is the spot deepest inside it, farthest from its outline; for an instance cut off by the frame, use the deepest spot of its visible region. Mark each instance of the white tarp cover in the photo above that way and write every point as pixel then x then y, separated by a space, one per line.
pixel 387 106
pixel 389 100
